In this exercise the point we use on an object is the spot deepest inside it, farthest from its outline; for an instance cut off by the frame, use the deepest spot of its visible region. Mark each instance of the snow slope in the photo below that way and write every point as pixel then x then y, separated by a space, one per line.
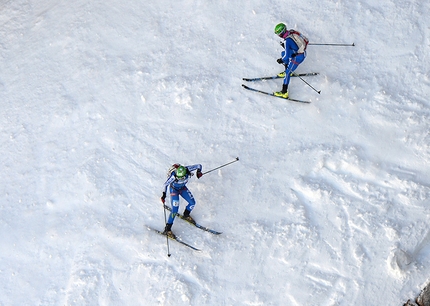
pixel 328 204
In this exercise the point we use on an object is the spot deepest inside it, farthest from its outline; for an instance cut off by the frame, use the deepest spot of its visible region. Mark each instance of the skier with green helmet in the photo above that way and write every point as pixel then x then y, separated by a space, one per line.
pixel 294 53
pixel 178 177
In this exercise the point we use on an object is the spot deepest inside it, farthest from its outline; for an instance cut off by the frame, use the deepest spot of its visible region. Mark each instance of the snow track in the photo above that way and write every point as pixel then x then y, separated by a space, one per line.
pixel 327 206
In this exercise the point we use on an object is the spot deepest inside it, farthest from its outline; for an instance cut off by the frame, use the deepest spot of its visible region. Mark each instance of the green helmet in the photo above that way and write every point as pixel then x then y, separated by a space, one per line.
pixel 181 172
pixel 280 29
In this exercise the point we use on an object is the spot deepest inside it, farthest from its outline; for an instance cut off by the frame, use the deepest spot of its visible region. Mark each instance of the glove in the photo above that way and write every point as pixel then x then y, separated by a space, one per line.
pixel 280 61
pixel 293 55
pixel 199 174
pixel 163 198
pixel 282 44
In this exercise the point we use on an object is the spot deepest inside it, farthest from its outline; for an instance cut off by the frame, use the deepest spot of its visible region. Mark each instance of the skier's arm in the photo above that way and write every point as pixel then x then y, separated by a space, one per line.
pixel 197 167
pixel 170 180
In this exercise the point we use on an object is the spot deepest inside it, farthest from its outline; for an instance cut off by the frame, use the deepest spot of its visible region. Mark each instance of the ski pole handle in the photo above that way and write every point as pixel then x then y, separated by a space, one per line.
pixel 237 159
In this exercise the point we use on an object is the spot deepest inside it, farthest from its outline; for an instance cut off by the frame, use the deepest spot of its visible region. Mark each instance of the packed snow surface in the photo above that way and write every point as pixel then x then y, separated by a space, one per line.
pixel 328 204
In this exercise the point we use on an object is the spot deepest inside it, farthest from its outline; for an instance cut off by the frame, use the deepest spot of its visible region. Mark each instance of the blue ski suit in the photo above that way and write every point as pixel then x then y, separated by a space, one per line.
pixel 179 188
pixel 294 54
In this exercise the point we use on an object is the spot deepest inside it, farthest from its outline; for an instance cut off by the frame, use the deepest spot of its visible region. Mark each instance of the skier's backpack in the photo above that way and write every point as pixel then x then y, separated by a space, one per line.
pixel 300 40
pixel 171 169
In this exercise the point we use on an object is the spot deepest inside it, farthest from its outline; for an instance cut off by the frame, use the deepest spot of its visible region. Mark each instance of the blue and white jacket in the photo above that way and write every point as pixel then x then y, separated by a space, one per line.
pixel 177 184
pixel 295 43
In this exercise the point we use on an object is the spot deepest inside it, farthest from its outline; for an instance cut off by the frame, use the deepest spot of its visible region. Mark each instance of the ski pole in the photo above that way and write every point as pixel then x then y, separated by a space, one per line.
pixel 167 238
pixel 295 74
pixel 237 159
pixel 344 45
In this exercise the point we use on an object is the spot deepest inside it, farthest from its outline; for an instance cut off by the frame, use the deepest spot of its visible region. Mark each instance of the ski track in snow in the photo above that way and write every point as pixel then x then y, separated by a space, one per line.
pixel 328 204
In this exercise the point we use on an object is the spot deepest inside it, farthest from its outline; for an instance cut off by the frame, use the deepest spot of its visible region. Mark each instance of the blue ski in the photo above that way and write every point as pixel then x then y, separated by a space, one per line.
pixel 280 77
pixel 176 239
pixel 204 228
pixel 271 94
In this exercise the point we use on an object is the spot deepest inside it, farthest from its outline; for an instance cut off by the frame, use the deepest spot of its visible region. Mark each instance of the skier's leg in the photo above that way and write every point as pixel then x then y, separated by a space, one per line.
pixel 174 202
pixel 188 196
pixel 292 66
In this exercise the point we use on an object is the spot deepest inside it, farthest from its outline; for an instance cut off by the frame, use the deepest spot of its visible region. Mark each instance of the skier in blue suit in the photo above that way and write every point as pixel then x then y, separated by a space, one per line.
pixel 294 54
pixel 177 183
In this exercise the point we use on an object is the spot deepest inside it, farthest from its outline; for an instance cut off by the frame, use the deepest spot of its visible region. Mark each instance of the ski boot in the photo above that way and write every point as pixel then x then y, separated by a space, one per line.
pixel 282 74
pixel 283 93
pixel 187 217
pixel 168 231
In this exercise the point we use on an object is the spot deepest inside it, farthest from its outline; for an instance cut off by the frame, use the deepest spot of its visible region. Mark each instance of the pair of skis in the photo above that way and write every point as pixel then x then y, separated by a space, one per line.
pixel 175 238
pixel 204 228
pixel 276 77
